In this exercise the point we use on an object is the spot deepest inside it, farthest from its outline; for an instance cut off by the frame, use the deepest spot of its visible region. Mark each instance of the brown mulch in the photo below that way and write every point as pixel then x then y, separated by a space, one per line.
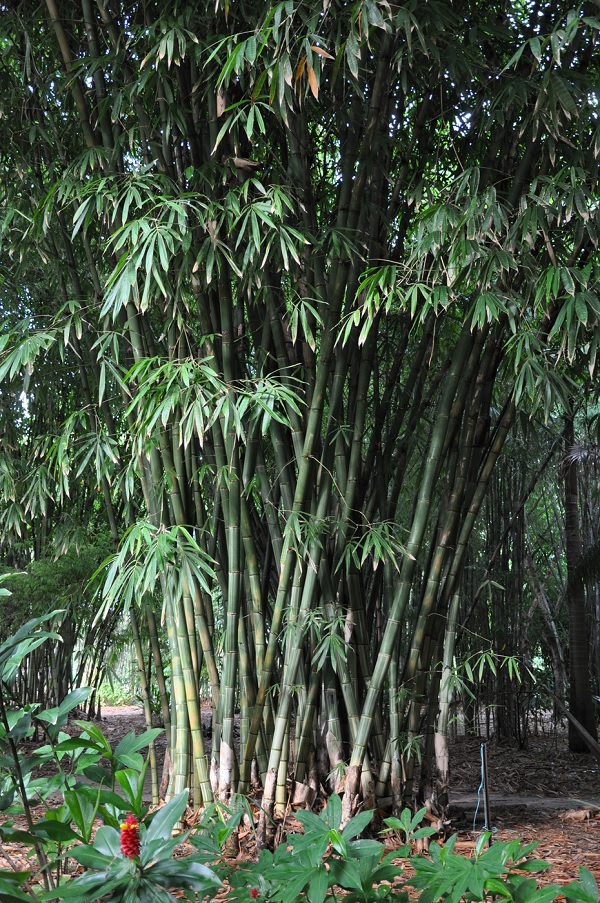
pixel 545 768
pixel 542 794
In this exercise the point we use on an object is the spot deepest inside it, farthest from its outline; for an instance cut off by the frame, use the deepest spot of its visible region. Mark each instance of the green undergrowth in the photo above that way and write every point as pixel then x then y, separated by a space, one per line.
pixel 134 856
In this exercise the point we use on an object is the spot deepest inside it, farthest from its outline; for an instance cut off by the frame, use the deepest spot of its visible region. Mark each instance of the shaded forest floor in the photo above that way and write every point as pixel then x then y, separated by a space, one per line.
pixel 543 793
pixel 543 778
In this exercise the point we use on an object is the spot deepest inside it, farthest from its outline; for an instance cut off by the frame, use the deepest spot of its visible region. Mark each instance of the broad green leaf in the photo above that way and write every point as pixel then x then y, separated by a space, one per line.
pixel 130 743
pixel 107 842
pixel 9 891
pixel 96 735
pixel 83 809
pixel 357 824
pixel 166 818
pixel 71 701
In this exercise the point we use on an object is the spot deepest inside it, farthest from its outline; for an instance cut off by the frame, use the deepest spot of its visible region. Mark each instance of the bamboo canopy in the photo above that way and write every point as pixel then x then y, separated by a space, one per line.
pixel 292 271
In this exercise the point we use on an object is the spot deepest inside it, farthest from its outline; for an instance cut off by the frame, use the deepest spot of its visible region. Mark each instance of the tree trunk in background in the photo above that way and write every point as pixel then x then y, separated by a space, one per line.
pixel 581 703
pixel 552 635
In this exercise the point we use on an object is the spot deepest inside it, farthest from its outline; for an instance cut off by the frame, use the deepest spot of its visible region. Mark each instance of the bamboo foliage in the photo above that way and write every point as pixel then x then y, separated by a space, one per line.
pixel 303 295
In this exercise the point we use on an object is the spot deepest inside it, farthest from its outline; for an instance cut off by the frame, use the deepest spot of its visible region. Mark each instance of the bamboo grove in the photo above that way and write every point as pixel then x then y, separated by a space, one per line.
pixel 277 280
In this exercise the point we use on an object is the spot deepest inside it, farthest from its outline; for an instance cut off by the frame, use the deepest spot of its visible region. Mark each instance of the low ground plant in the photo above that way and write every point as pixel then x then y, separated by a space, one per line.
pixel 94 815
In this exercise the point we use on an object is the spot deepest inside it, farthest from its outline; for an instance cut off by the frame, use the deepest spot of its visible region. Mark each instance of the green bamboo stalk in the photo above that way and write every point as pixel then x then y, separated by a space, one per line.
pixel 296 431
pixel 344 672
pixel 293 651
pixel 158 667
pixel 428 784
pixel 203 627
pixel 231 502
pixel 263 687
pixel 252 575
pixel 313 424
pixel 284 462
pixel 190 623
pixel 184 622
pixel 246 683
pixel 454 565
pixel 270 498
pixel 495 447
pixel 390 764
pixel 458 470
pixel 74 82
pixel 442 757
pixel 247 696
pixel 294 642
pixel 227 760
pixel 314 556
pixel 305 737
pixel 396 777
pixel 386 651
pixel 333 737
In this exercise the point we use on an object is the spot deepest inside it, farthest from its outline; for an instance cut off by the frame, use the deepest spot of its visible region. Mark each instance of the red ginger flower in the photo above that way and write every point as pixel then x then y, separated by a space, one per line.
pixel 254 893
pixel 130 837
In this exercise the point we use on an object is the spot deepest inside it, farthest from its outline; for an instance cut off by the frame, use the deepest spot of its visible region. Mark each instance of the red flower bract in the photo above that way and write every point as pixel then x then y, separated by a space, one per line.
pixel 254 893
pixel 130 837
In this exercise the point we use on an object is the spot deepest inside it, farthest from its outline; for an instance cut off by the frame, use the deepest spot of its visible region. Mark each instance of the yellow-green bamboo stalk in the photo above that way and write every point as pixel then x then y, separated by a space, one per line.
pixel 333 737
pixel 281 796
pixel 252 575
pixel 180 736
pixel 246 683
pixel 202 624
pixel 193 704
pixel 227 757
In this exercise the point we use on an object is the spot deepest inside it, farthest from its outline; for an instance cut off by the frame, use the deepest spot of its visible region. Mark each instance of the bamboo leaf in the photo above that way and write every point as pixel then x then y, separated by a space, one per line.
pixel 312 81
